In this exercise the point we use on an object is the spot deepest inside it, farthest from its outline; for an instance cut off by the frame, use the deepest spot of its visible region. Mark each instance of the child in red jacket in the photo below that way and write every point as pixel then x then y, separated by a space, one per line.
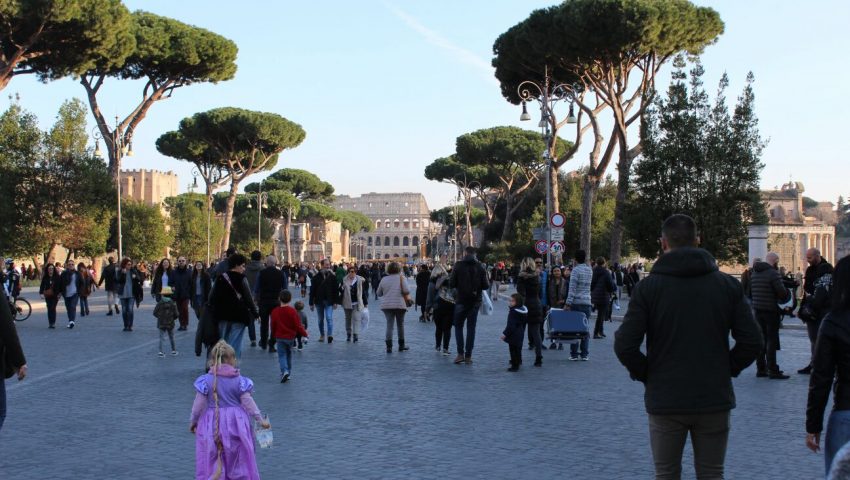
pixel 286 325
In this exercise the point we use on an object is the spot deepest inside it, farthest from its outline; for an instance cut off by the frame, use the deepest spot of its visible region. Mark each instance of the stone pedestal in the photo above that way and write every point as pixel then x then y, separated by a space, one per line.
pixel 758 242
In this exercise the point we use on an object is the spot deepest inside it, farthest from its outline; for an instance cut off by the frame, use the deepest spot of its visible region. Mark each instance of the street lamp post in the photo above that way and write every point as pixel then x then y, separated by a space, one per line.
pixel 261 199
pixel 119 150
pixel 211 177
pixel 547 96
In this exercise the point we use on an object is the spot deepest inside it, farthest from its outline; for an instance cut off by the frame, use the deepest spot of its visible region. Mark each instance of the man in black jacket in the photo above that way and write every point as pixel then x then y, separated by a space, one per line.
pixel 108 276
pixel 767 292
pixel 686 309
pixel 816 286
pixel 470 279
pixel 324 294
pixel 270 282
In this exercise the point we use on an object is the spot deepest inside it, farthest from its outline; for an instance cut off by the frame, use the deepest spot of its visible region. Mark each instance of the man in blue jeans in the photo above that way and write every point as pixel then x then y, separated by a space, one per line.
pixel 578 299
pixel 324 297
pixel 469 278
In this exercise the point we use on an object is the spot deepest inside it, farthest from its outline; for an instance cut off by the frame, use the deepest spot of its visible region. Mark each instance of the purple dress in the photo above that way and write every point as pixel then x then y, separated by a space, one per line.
pixel 235 404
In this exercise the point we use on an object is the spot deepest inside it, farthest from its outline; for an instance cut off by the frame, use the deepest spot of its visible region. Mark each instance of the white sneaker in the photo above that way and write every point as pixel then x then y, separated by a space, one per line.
pixel 70 324
pixel 161 355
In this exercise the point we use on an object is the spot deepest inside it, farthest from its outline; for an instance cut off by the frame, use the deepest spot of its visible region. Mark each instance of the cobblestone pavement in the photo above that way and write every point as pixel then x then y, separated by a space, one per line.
pixel 100 404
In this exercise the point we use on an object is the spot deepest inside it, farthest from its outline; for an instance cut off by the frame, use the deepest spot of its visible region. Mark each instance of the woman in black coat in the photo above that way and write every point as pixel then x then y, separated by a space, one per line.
pixel 422 279
pixel 12 358
pixel 232 304
pixel 49 291
pixel 201 286
pixel 528 285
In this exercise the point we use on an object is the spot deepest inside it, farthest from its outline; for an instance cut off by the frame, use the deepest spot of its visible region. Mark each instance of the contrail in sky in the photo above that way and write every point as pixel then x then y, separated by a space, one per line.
pixel 434 38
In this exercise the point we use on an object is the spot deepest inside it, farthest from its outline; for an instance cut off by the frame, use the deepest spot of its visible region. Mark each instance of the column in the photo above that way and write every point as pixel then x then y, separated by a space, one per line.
pixel 757 242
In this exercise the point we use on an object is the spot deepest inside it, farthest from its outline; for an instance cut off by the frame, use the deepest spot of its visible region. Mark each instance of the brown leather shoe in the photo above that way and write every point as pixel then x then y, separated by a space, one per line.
pixel 459 359
pixel 468 360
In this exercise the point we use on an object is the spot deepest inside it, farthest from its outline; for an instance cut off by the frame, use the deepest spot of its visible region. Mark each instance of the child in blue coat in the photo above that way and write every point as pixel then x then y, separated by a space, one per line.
pixel 513 333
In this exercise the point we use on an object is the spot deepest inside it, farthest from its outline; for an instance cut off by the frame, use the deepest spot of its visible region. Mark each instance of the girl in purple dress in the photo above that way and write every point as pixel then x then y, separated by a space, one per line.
pixel 224 442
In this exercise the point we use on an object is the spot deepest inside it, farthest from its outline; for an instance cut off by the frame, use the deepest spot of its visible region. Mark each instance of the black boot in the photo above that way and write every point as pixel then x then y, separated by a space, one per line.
pixel 110 312
pixel 401 347
pixel 348 337
pixel 355 338
pixel 389 346
pixel 116 310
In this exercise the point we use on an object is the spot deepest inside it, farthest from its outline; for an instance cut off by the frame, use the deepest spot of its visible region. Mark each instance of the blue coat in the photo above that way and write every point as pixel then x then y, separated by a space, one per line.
pixel 515 329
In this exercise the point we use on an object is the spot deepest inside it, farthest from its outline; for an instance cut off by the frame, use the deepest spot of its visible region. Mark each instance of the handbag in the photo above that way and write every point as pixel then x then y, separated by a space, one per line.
pixel 407 300
pixel 486 305
pixel 364 319
pixel 48 293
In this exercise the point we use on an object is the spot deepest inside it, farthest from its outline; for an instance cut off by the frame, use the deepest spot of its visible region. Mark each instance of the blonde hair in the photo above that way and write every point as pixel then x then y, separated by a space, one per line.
pixel 220 353
pixel 527 265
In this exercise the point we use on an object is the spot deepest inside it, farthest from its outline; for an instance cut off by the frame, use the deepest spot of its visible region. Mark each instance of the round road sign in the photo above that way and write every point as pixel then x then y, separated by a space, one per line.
pixel 540 246
pixel 558 220
pixel 557 247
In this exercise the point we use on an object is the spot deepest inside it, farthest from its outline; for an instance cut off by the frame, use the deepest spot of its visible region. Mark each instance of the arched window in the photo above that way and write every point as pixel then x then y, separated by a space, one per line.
pixel 377 224
pixel 386 241
pixel 387 223
pixel 407 224
pixel 386 256
pixel 396 223
pixel 415 224
pixel 395 241
pixel 405 242
pixel 406 256
pixel 368 256
pixel 415 241
pixel 369 242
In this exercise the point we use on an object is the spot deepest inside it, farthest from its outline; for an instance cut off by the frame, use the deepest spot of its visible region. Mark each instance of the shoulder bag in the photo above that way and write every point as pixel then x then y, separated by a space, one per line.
pixel 407 300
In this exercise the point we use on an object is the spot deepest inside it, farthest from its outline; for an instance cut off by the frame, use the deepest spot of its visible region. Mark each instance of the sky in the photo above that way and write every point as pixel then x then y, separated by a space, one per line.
pixel 384 87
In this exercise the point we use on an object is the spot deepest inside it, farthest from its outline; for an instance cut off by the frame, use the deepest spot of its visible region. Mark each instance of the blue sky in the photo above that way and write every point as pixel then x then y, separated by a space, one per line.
pixel 384 87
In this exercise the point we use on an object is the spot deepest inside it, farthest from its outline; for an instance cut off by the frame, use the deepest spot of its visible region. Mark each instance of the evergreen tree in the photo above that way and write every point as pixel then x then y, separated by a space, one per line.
pixel 699 160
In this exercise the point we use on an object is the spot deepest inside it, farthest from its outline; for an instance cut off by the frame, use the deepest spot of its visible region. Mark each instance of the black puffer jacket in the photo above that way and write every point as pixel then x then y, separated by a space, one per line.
pixel 228 306
pixel 686 309
pixel 767 289
pixel 528 285
pixel 831 360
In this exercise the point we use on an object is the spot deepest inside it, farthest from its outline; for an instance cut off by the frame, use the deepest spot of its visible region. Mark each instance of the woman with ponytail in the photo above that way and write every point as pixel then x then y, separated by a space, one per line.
pixel 221 419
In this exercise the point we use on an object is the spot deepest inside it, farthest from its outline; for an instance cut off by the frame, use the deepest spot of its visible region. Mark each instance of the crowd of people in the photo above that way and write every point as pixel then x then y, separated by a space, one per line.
pixel 685 311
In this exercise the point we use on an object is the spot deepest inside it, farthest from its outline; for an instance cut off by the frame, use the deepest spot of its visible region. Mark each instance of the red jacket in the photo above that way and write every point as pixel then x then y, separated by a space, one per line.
pixel 286 324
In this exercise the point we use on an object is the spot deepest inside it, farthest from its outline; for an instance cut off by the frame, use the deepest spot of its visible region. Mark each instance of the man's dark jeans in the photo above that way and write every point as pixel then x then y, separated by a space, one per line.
pixel 769 323
pixel 265 319
pixel 465 314
pixel 812 327
pixel 2 402
pixel 709 435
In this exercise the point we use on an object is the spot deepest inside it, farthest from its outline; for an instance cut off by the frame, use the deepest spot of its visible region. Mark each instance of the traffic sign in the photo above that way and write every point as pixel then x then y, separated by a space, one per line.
pixel 540 246
pixel 539 233
pixel 557 247
pixel 558 220
pixel 557 234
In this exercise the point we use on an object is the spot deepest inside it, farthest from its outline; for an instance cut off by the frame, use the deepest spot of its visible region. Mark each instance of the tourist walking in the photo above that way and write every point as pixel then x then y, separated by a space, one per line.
pixel 423 277
pixel 395 300
pixel 201 286
pixel 815 304
pixel 268 285
pixel 444 308
pixel 579 300
pixel 221 419
pixel 767 292
pixel 70 284
pixel 87 285
pixel 50 289
pixel 602 286
pixel 686 309
pixel 181 286
pixel 162 276
pixel 354 296
pixel 252 270
pixel 232 303
pixel 528 286
pixel 324 297
pixel 469 279
pixel 12 359
pixel 513 332
pixel 286 327
pixel 107 279
pixel 831 365
pixel 556 295
pixel 128 286
pixel 166 312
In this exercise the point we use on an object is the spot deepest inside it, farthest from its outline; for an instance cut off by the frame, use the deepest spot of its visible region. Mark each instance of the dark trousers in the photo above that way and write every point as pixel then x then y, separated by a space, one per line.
pixel 443 320
pixel 84 306
pixel 127 305
pixel 535 339
pixel 265 318
pixel 183 311
pixel 2 402
pixel 465 314
pixel 516 355
pixel 603 311
pixel 709 435
pixel 51 309
pixel 71 306
pixel 769 323
pixel 812 328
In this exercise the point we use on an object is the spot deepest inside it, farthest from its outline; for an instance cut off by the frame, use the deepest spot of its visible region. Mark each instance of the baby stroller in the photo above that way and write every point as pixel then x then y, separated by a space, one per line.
pixel 566 326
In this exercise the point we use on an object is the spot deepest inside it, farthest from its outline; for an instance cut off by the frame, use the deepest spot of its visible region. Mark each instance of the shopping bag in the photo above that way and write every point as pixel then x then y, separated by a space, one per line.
pixel 364 320
pixel 486 304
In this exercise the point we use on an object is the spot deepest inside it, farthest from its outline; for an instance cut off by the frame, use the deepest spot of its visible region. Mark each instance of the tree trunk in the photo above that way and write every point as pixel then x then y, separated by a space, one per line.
pixel 591 184
pixel 228 214
pixel 470 241
pixel 553 187
pixel 37 265
pixel 623 168
pixel 287 233
pixel 509 217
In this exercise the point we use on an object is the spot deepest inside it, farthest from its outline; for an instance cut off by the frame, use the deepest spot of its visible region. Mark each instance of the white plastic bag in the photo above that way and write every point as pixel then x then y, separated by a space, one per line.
pixel 265 437
pixel 364 320
pixel 486 304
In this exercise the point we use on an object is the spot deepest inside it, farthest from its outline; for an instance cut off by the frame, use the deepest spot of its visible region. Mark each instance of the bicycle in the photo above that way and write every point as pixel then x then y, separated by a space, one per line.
pixel 21 309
